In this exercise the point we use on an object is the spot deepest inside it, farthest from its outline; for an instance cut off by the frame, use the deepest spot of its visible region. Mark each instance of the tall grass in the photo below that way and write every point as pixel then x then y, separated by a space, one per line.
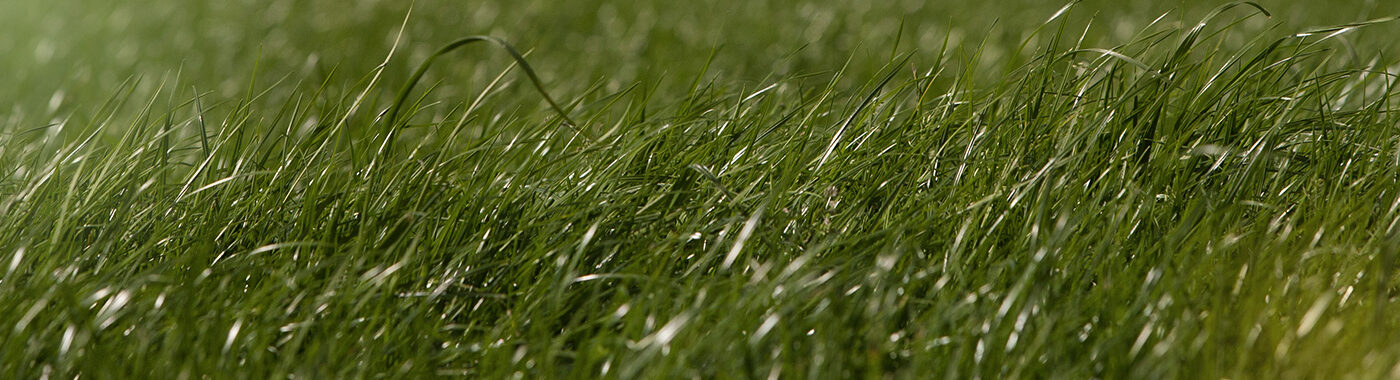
pixel 1192 201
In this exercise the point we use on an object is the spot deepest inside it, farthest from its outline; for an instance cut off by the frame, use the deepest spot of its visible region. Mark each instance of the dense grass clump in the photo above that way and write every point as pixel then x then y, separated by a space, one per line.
pixel 1212 198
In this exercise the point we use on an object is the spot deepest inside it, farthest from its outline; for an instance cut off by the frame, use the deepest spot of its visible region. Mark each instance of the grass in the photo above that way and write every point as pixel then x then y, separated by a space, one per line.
pixel 1213 194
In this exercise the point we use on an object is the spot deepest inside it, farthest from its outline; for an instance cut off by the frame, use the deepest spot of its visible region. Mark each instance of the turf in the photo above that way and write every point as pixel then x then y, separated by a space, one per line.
pixel 277 189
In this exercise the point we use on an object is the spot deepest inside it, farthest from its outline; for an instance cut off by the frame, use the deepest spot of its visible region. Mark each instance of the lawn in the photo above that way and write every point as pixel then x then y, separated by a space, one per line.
pixel 730 189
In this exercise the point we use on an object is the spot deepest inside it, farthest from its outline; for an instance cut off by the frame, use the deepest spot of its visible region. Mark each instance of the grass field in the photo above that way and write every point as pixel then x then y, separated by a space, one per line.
pixel 731 189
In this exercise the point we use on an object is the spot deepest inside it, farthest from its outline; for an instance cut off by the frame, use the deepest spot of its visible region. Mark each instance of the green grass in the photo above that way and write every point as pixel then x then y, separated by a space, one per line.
pixel 789 191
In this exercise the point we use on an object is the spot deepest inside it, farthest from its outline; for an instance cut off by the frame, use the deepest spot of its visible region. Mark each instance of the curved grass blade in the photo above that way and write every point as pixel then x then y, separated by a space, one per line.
pixel 1190 40
pixel 1108 53
pixel 393 116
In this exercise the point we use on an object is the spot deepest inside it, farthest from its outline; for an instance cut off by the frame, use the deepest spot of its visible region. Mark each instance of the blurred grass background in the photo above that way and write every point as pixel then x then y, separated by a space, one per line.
pixel 65 53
